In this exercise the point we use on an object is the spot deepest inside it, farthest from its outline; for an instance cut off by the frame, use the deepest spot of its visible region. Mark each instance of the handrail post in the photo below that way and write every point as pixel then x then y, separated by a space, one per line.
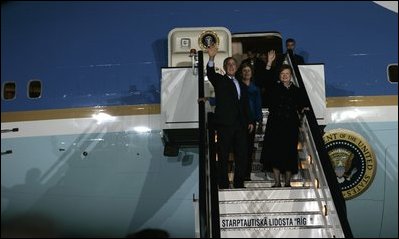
pixel 214 198
pixel 204 221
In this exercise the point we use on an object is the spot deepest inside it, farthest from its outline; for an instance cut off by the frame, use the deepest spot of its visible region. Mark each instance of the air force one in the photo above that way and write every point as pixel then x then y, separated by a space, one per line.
pixel 102 134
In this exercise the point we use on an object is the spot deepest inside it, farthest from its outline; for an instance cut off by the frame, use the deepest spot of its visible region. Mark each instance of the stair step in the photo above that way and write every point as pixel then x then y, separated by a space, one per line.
pixel 259 175
pixel 271 220
pixel 268 206
pixel 266 194
pixel 284 232
pixel 255 175
pixel 269 183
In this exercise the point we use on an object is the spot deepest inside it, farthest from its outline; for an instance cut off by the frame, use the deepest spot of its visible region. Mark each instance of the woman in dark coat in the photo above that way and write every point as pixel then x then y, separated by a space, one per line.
pixel 285 101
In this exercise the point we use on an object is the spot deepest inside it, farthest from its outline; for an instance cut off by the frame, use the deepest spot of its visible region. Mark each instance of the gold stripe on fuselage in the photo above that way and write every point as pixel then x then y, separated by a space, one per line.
pixel 353 101
pixel 125 110
pixel 86 112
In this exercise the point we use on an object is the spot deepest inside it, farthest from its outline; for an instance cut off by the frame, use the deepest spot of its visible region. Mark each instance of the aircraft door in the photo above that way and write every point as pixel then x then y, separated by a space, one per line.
pixel 182 40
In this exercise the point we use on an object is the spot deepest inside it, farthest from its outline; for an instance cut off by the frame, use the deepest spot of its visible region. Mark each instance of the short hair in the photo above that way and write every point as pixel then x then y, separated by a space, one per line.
pixel 289 40
pixel 285 67
pixel 243 65
pixel 226 60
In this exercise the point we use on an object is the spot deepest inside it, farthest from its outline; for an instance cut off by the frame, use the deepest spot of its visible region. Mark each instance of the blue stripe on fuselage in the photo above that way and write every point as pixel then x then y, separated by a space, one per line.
pixel 114 54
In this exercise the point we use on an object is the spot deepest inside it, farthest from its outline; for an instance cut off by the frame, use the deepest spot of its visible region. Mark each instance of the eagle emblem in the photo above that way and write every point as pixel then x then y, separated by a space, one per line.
pixel 342 163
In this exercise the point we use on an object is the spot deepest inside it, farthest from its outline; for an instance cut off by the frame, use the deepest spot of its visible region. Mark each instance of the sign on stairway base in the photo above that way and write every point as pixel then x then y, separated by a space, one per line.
pixel 271 221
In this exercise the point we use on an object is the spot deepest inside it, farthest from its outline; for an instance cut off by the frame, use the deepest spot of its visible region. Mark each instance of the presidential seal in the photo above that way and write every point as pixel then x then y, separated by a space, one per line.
pixel 352 159
pixel 208 38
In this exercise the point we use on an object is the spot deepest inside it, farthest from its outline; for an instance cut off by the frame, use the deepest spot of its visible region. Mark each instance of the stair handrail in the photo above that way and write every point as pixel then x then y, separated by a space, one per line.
pixel 319 185
pixel 327 168
pixel 208 189
pixel 307 141
pixel 314 172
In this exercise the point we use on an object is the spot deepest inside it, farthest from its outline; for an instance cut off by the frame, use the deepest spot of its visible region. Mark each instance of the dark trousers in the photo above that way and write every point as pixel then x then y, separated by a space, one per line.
pixel 251 141
pixel 233 137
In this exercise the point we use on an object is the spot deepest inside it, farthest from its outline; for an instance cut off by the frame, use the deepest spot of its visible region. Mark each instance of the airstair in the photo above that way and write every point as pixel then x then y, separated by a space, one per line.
pixel 259 210
pixel 312 207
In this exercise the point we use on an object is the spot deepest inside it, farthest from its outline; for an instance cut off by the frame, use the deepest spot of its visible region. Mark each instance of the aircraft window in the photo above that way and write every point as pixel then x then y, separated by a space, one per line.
pixel 393 73
pixel 34 89
pixel 9 91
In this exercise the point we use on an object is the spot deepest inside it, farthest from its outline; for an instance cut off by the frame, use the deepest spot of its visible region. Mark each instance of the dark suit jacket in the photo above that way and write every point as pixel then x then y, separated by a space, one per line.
pixel 298 59
pixel 229 110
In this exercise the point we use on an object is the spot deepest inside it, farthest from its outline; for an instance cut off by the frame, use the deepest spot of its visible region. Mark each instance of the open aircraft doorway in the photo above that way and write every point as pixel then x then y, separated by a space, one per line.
pixel 257 44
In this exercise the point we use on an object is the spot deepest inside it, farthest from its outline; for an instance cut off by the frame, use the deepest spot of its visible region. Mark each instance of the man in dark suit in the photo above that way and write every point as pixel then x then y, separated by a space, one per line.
pixel 231 118
pixel 290 45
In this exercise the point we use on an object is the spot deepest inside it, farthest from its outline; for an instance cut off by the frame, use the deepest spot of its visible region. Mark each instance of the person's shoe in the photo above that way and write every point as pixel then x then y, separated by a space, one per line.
pixel 277 185
pixel 287 185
